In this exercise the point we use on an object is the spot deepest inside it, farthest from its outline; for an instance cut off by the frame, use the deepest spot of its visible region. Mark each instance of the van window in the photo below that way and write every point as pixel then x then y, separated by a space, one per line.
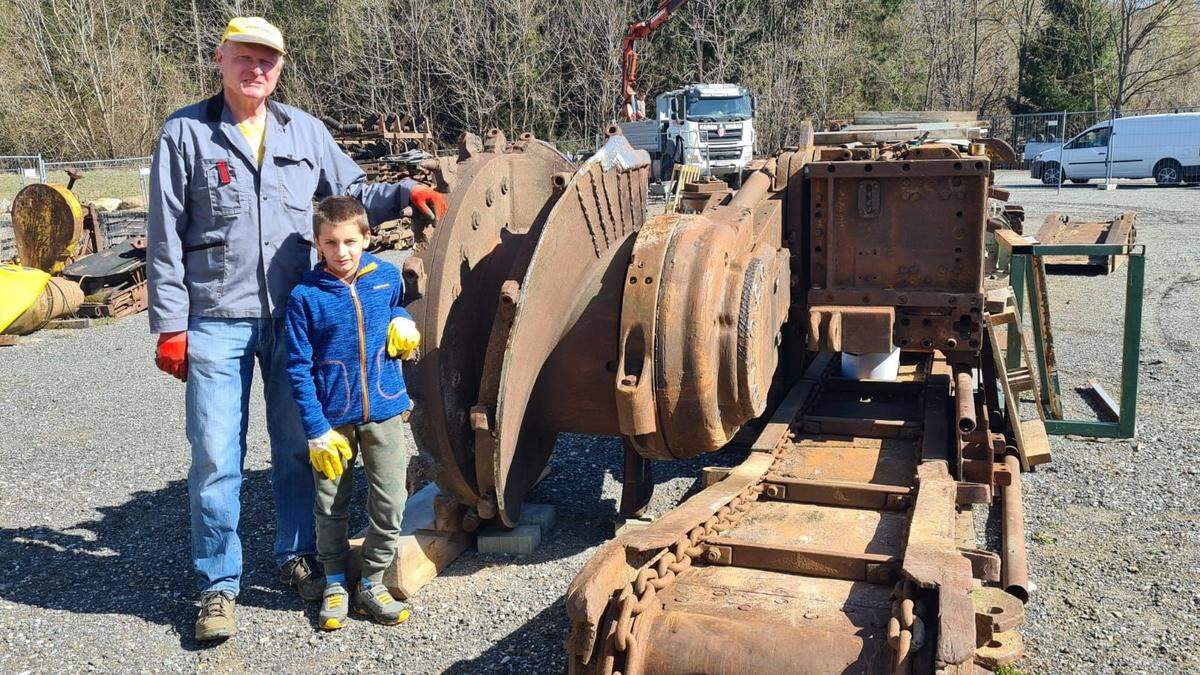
pixel 1096 138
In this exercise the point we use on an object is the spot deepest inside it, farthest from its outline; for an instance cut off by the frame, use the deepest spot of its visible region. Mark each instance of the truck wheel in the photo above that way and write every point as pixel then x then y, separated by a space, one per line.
pixel 735 180
pixel 666 164
pixel 1168 172
pixel 1050 173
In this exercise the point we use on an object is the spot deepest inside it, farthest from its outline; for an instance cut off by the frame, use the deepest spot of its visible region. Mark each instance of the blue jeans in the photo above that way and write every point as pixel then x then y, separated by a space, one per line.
pixel 221 355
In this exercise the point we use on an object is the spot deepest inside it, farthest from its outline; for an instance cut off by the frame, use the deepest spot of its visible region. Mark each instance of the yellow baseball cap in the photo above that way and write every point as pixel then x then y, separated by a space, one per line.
pixel 255 30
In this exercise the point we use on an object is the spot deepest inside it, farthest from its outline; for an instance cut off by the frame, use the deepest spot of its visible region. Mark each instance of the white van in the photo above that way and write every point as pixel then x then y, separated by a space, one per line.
pixel 1163 147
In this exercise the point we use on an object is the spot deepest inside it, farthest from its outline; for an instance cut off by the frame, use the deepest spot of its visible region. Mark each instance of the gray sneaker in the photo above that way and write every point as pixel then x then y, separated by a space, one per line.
pixel 302 574
pixel 216 620
pixel 375 601
pixel 335 605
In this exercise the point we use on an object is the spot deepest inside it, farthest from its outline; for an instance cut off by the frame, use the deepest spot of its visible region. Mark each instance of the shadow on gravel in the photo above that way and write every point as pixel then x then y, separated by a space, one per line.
pixel 134 559
pixel 535 647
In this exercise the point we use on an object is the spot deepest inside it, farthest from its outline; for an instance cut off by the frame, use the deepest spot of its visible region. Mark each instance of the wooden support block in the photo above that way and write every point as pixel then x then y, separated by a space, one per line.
pixel 713 474
pixel 10 340
pixel 1015 243
pixel 421 551
pixel 1036 446
pixel 69 324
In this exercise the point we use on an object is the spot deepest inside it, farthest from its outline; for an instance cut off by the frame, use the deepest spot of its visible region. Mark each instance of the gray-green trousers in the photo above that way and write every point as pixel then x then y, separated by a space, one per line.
pixel 385 459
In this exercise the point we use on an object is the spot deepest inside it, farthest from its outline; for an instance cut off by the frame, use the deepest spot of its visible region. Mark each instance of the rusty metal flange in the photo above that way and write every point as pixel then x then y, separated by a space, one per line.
pixel 499 195
pixel 554 374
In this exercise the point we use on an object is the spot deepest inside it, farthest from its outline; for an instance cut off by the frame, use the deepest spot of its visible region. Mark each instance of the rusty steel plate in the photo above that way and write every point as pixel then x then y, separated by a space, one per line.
pixel 906 233
pixel 47 222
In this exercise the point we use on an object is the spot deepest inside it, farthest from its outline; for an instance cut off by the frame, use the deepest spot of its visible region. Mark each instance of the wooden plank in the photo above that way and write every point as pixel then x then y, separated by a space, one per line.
pixel 421 551
pixel 1013 242
pixel 916 116
pixel 1109 405
pixel 1036 442
pixel 10 340
pixel 697 509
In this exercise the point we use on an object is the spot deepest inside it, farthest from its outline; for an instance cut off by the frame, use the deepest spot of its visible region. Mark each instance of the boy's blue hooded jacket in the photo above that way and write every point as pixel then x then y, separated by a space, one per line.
pixel 337 347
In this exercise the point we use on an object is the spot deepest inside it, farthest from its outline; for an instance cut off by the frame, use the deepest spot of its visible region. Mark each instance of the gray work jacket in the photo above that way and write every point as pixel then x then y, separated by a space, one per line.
pixel 228 239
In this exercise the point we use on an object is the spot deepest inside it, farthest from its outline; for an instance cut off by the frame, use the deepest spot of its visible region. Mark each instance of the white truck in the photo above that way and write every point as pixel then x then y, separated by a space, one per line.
pixel 709 125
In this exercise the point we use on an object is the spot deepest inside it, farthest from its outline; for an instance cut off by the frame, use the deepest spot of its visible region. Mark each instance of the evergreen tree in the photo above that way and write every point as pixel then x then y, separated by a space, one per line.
pixel 1068 66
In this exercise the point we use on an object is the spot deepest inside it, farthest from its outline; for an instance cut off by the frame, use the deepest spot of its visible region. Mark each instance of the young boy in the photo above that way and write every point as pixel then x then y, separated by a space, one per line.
pixel 346 328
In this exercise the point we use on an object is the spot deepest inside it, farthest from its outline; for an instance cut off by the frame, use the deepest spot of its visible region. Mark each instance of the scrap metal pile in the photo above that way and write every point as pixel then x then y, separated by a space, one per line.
pixel 549 302
pixel 97 260
pixel 389 147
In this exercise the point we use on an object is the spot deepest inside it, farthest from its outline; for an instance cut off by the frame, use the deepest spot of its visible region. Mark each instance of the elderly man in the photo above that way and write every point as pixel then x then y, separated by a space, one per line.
pixel 232 188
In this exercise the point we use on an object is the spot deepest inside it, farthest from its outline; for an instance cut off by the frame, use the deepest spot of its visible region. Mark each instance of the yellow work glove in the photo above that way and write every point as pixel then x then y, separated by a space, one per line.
pixel 403 338
pixel 328 453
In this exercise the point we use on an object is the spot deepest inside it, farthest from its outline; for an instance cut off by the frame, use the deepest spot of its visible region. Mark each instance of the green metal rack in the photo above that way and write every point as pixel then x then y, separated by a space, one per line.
pixel 1025 256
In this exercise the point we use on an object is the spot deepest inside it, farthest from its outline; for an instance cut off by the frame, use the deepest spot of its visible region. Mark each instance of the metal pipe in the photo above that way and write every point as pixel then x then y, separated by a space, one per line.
pixel 964 399
pixel 1014 569
pixel 755 188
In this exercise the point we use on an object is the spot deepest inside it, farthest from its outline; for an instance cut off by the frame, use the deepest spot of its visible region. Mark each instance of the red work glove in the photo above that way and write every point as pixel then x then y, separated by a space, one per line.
pixel 171 355
pixel 422 196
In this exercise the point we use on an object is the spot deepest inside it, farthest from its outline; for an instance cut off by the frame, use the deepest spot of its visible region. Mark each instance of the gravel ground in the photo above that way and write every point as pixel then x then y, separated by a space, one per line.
pixel 1114 546
pixel 94 571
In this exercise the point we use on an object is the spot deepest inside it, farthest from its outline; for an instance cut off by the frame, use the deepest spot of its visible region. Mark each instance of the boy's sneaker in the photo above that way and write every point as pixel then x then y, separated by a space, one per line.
pixel 301 573
pixel 335 605
pixel 216 620
pixel 376 602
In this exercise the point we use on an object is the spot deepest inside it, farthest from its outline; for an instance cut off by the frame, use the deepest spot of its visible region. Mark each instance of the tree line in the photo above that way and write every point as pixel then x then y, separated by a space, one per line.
pixel 96 78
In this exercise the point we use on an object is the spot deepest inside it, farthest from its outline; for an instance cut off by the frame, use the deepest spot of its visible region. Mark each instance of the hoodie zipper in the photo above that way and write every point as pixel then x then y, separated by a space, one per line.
pixel 362 351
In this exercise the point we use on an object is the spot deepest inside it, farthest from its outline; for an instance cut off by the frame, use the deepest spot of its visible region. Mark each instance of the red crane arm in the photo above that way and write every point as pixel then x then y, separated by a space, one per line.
pixel 629 56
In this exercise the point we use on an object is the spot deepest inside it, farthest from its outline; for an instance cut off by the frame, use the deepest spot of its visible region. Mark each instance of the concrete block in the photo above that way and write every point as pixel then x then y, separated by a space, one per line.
pixel 536 521
pixel 521 540
pixel 541 515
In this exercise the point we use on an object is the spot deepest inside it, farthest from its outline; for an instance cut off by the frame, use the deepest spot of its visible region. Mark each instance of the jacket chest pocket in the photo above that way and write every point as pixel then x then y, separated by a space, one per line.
pixel 298 180
pixel 217 188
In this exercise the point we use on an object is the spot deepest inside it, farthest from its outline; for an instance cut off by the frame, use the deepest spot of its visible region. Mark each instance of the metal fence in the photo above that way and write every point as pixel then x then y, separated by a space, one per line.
pixel 126 179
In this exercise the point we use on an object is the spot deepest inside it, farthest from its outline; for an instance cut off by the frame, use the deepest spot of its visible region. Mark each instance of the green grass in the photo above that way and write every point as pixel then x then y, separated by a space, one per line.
pixel 124 183
pixel 1009 670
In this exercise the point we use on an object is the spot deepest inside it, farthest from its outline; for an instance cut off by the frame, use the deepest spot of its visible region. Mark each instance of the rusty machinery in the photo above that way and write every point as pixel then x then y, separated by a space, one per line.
pixel 55 233
pixel 549 303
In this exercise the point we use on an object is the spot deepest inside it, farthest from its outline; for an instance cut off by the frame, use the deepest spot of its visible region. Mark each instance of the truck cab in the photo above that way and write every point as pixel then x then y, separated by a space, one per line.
pixel 709 125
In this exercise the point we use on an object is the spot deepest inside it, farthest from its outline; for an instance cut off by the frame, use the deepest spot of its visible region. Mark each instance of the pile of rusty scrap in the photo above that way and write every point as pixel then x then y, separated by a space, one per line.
pixel 96 262
pixel 388 146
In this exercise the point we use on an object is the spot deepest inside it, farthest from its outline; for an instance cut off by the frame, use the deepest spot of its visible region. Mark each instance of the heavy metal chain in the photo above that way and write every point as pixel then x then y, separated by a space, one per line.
pixel 906 631
pixel 641 593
